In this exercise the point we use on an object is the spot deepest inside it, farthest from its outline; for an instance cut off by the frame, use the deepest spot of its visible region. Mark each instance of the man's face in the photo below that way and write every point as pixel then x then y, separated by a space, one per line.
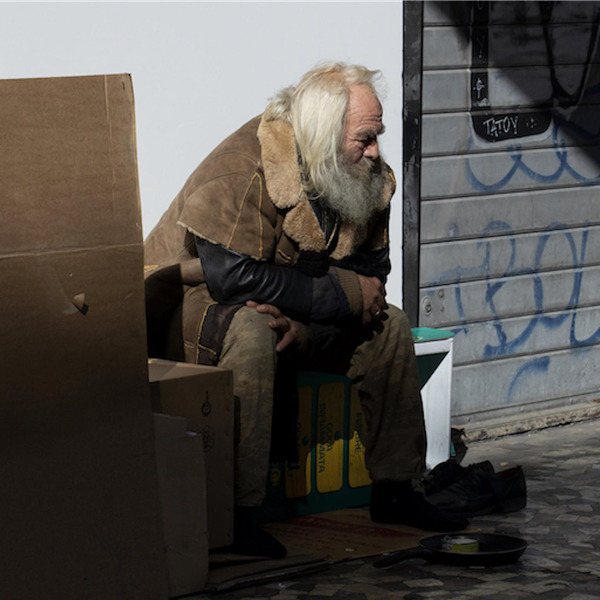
pixel 363 125
pixel 354 189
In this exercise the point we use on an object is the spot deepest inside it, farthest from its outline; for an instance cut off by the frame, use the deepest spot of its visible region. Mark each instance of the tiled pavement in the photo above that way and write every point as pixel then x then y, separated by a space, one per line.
pixel 561 525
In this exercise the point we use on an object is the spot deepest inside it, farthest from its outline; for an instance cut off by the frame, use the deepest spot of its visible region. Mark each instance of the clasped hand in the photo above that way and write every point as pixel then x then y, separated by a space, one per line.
pixel 373 293
pixel 288 330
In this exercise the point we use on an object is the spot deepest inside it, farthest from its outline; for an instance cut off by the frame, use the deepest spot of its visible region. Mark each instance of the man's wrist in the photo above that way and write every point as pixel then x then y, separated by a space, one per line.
pixel 350 284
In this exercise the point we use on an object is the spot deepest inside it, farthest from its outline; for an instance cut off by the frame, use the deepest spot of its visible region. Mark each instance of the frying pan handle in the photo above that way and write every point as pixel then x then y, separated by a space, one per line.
pixel 397 557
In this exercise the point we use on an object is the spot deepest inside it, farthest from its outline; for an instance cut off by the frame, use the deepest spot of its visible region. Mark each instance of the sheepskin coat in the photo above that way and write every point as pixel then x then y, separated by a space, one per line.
pixel 246 196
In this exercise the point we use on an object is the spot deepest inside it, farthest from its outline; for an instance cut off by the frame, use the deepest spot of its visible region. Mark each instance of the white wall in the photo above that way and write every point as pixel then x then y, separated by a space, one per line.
pixel 200 70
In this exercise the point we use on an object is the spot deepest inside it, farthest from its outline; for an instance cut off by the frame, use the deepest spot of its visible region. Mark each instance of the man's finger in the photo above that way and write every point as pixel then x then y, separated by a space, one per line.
pixel 280 323
pixel 285 341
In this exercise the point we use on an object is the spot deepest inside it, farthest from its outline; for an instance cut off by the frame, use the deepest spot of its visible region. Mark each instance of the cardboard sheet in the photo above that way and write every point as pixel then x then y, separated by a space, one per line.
pixel 313 542
pixel 343 534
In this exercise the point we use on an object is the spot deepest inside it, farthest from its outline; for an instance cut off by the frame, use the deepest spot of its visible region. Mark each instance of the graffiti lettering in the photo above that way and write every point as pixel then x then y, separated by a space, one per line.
pixel 479 87
pixel 564 95
pixel 497 126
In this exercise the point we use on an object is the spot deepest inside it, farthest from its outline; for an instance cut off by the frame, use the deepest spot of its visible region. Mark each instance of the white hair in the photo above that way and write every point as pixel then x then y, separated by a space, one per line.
pixel 316 110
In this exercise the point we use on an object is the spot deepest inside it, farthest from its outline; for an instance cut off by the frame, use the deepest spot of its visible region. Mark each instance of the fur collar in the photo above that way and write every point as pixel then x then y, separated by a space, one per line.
pixel 282 174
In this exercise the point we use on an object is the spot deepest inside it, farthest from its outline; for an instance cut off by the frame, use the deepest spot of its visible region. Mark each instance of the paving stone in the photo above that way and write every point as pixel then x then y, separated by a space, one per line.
pixel 569 518
pixel 424 583
pixel 325 589
pixel 497 577
pixel 367 589
pixel 546 585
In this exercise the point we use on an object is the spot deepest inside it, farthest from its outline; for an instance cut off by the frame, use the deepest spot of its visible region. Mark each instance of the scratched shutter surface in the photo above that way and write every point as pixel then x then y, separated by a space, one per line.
pixel 510 201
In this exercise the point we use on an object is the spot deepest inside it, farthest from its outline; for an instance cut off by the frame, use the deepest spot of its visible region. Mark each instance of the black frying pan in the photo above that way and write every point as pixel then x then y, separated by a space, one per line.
pixel 494 549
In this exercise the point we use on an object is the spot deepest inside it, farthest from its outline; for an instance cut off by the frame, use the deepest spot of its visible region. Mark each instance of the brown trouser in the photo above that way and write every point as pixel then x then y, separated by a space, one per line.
pixel 384 370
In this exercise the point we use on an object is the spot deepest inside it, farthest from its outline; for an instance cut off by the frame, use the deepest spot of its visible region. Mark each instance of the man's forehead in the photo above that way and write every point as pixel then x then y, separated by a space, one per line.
pixel 364 107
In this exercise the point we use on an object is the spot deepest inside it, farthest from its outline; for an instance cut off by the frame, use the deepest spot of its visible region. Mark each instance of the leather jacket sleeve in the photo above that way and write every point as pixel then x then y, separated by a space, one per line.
pixel 234 278
pixel 374 263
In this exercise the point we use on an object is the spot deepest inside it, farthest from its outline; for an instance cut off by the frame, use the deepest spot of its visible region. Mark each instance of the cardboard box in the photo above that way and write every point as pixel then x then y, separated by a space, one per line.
pixel 331 471
pixel 79 508
pixel 182 490
pixel 204 396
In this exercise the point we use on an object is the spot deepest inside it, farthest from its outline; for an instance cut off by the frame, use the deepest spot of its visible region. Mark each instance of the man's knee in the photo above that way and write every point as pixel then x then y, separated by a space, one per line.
pixel 250 330
pixel 397 321
pixel 250 319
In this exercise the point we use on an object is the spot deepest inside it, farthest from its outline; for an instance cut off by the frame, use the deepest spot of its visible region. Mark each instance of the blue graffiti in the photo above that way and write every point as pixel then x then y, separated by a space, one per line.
pixel 535 366
pixel 556 117
pixel 516 155
pixel 505 346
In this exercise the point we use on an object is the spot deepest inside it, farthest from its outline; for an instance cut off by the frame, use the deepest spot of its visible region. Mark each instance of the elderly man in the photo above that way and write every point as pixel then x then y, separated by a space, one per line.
pixel 280 238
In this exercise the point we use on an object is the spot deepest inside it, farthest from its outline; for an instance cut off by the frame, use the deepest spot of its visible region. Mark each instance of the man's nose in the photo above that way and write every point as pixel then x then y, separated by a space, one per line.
pixel 372 150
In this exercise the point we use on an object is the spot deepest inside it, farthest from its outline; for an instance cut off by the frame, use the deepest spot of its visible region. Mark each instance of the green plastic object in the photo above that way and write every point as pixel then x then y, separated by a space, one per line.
pixel 429 334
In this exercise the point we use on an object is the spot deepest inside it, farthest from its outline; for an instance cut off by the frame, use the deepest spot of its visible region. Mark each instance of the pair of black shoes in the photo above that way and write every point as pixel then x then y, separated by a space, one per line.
pixel 391 502
pixel 475 490
pixel 452 494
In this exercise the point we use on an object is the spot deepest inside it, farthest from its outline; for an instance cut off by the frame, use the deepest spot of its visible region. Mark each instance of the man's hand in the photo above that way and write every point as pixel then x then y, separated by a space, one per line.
pixel 288 330
pixel 374 303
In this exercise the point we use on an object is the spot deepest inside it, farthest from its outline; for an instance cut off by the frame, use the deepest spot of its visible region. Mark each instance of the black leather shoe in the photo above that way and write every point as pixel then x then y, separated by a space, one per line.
pixel 448 472
pixel 481 492
pixel 399 503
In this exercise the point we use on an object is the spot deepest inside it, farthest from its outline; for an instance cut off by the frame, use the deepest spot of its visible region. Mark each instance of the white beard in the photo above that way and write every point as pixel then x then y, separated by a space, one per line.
pixel 354 191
